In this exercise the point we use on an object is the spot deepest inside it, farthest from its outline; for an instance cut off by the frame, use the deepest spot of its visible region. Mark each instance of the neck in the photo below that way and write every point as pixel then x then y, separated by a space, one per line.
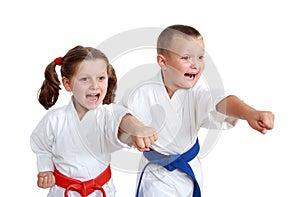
pixel 170 88
pixel 170 91
pixel 81 111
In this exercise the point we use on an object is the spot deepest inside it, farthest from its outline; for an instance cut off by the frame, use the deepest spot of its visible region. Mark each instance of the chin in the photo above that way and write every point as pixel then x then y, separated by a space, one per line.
pixel 189 84
pixel 92 106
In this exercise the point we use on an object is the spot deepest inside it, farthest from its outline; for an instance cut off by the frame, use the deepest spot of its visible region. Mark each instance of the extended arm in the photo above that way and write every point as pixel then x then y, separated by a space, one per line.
pixel 142 136
pixel 258 120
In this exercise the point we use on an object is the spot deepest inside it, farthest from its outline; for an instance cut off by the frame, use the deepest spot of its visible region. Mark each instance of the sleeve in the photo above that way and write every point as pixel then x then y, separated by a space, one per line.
pixel 114 114
pixel 134 101
pixel 41 141
pixel 227 121
pixel 210 118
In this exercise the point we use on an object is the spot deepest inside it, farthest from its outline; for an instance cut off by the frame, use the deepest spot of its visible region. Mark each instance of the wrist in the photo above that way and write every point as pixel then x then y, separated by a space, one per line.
pixel 248 114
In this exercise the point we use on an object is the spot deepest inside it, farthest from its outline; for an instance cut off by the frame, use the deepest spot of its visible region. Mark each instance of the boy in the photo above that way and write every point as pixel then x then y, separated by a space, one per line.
pixel 177 105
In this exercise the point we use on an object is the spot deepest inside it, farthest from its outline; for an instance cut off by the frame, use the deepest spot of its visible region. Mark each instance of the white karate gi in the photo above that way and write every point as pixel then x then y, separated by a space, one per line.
pixel 177 121
pixel 78 149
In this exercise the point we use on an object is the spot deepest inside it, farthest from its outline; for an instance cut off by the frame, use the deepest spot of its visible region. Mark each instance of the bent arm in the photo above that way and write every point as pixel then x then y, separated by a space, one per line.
pixel 41 141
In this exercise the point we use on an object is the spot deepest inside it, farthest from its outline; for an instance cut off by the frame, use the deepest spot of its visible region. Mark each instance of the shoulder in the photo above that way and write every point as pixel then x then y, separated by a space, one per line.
pixel 148 87
pixel 206 94
pixel 200 89
pixel 56 113
pixel 110 110
pixel 51 120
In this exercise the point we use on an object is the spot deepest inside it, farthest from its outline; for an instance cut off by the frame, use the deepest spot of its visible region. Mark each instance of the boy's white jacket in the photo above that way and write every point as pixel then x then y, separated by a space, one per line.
pixel 177 121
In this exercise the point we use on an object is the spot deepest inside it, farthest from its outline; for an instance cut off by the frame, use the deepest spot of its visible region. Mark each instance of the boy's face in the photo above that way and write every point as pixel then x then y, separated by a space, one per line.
pixel 183 63
pixel 89 85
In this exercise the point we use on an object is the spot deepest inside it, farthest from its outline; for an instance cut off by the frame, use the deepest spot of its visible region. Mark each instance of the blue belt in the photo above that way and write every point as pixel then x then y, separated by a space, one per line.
pixel 173 162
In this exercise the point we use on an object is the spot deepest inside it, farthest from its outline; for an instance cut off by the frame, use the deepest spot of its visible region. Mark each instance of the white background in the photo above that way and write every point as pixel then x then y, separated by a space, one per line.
pixel 254 44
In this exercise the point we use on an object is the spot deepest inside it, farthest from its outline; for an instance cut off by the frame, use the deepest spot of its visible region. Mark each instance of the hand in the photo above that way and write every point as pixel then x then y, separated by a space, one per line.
pixel 147 136
pixel 261 121
pixel 45 179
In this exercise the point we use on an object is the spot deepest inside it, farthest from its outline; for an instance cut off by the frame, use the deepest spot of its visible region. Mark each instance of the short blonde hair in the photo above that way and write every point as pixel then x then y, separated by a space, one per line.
pixel 164 40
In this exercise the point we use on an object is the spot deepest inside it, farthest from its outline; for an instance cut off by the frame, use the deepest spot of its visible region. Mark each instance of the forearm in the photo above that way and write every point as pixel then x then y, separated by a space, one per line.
pixel 41 146
pixel 234 107
pixel 130 125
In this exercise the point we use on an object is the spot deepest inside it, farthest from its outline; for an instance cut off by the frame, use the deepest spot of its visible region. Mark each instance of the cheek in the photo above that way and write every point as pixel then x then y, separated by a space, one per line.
pixel 183 65
pixel 79 88
pixel 77 91
pixel 183 68
pixel 202 67
pixel 179 68
pixel 104 86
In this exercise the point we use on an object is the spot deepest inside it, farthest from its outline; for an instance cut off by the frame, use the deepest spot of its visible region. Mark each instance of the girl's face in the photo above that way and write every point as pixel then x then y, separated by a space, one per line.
pixel 89 85
pixel 183 64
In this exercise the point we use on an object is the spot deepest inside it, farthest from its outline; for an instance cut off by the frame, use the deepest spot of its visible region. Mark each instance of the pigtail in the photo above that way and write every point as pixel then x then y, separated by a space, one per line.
pixel 112 85
pixel 48 93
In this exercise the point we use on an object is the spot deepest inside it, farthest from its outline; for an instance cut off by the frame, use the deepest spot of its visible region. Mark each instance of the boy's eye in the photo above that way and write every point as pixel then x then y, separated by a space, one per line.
pixel 201 57
pixel 185 57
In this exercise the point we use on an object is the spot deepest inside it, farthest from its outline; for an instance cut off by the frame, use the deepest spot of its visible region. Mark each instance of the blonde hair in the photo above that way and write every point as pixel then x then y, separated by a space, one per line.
pixel 165 38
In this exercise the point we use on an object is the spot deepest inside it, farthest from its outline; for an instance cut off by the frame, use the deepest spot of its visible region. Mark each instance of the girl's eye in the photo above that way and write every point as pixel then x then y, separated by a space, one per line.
pixel 84 79
pixel 101 78
pixel 201 57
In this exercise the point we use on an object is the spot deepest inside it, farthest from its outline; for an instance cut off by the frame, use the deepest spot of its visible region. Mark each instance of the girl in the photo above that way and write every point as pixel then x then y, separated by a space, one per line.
pixel 73 143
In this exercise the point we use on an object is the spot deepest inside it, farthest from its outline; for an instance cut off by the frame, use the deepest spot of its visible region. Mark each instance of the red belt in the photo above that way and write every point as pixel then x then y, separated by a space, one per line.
pixel 84 188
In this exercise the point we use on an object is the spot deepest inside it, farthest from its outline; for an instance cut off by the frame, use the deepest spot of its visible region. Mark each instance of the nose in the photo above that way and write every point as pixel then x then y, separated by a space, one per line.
pixel 94 84
pixel 196 63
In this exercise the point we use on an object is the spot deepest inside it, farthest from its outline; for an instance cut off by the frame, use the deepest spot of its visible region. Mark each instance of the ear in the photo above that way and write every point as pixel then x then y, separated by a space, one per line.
pixel 67 84
pixel 161 60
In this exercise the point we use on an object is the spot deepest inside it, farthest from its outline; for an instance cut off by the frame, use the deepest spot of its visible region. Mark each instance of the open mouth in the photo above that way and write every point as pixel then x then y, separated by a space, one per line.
pixel 190 75
pixel 93 97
